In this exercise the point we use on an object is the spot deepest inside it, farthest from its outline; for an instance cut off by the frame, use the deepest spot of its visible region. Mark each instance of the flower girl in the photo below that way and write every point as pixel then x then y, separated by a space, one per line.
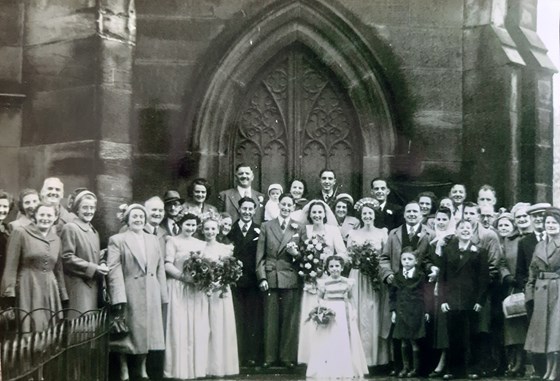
pixel 336 350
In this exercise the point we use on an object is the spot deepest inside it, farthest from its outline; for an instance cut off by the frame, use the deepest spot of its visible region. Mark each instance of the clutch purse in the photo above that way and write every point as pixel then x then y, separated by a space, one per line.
pixel 118 326
pixel 514 305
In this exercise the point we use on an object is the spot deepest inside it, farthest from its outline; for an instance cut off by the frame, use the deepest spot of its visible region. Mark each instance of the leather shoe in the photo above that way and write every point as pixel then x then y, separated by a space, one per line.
pixel 251 363
pixel 473 376
pixel 392 373
pixel 403 373
pixel 288 365
pixel 266 365
pixel 448 376
pixel 435 374
pixel 413 373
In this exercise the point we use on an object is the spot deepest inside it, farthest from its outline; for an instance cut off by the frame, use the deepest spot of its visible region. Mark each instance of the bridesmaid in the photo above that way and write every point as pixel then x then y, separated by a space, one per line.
pixel 80 256
pixel 186 350
pixel 374 319
pixel 33 273
pixel 223 357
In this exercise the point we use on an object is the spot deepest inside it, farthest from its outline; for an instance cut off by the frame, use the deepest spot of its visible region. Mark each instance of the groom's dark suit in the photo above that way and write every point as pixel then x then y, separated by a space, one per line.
pixel 281 306
pixel 247 299
pixel 228 201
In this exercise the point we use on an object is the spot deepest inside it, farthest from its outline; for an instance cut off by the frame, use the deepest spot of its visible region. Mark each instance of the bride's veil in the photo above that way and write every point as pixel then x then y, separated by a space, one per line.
pixel 302 214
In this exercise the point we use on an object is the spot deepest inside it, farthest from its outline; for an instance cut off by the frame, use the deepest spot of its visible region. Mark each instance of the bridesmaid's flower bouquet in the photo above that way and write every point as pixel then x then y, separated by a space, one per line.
pixel 202 271
pixel 309 259
pixel 227 272
pixel 364 257
pixel 321 316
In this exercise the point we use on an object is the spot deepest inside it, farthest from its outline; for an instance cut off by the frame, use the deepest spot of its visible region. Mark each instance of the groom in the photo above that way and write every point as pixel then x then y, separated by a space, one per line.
pixel 279 281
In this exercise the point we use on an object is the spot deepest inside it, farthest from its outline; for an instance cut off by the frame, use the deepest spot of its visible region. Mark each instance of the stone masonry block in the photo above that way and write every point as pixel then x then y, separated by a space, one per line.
pixel 10 63
pixel 60 65
pixel 11 19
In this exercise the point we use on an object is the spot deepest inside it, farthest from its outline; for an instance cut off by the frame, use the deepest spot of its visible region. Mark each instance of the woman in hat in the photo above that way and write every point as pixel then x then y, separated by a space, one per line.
pixel 343 207
pixel 542 291
pixel 371 300
pixel 298 190
pixel 515 329
pixel 81 256
pixel 137 288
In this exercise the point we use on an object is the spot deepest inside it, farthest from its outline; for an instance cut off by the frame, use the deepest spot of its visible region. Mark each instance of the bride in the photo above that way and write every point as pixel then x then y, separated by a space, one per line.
pixel 316 215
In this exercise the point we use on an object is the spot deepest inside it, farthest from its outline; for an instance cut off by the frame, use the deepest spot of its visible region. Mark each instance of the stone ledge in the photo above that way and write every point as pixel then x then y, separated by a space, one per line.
pixel 12 99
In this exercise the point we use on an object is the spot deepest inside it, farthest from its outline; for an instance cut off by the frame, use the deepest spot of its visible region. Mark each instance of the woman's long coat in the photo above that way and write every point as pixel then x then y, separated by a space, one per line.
pixel 33 275
pixel 543 335
pixel 80 257
pixel 142 286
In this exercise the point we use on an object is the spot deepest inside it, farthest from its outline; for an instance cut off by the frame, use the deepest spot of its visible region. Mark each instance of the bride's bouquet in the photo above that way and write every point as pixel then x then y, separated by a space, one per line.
pixel 309 259
pixel 365 258
pixel 201 270
pixel 321 316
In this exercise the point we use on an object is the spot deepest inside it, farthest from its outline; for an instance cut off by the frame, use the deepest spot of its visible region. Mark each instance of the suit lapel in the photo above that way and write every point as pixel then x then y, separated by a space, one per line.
pixel 476 236
pixel 234 197
pixel 131 241
pixel 287 235
pixel 276 230
pixel 553 253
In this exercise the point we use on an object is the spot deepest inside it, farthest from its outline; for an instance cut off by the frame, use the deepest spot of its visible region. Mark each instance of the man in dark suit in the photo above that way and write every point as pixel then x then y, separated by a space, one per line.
pixel 412 233
pixel 329 189
pixel 279 280
pixel 525 251
pixel 464 287
pixel 172 203
pixel 389 215
pixel 228 200
pixel 247 298
pixel 491 317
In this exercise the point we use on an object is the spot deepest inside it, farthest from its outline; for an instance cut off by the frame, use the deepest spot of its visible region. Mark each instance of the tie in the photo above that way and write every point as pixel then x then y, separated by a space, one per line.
pixel 411 234
pixel 175 229
pixel 155 230
pixel 244 229
pixel 283 226
pixel 539 236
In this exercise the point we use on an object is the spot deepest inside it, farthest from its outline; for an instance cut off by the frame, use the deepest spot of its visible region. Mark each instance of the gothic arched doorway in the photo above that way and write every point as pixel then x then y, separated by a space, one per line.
pixel 236 118
pixel 295 120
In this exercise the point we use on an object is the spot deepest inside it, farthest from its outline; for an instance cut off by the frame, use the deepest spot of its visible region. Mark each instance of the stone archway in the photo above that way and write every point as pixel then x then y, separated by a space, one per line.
pixel 336 43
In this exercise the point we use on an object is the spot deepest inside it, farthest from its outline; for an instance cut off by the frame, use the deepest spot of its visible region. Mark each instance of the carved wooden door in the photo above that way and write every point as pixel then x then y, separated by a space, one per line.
pixel 296 120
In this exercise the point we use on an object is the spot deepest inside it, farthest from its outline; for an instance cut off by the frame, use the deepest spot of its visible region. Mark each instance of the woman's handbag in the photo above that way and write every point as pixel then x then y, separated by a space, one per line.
pixel 118 325
pixel 514 305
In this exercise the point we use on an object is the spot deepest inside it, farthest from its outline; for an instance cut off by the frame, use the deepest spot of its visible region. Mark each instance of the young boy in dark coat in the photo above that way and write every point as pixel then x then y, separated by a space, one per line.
pixel 408 310
pixel 465 279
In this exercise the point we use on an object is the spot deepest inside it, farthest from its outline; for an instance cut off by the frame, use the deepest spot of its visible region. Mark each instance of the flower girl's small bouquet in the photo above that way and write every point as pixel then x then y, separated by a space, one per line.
pixel 364 257
pixel 321 316
pixel 227 272
pixel 201 270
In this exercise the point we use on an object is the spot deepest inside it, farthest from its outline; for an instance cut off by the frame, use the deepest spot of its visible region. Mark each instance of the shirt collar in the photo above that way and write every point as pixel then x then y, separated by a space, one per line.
pixel 242 223
pixel 408 273
pixel 415 228
pixel 245 192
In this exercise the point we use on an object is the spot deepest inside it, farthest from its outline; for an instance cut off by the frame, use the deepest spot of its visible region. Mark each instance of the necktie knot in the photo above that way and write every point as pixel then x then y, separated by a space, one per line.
pixel 175 229
pixel 244 228
pixel 283 225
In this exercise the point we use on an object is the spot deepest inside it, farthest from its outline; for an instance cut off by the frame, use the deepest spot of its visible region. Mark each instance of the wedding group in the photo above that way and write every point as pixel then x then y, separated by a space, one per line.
pixel 342 285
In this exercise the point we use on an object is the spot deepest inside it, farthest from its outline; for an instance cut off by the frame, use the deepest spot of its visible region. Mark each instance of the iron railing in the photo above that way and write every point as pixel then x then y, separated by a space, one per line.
pixel 69 349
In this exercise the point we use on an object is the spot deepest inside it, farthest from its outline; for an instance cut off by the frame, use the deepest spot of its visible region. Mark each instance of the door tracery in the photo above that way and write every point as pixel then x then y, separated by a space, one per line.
pixel 295 120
